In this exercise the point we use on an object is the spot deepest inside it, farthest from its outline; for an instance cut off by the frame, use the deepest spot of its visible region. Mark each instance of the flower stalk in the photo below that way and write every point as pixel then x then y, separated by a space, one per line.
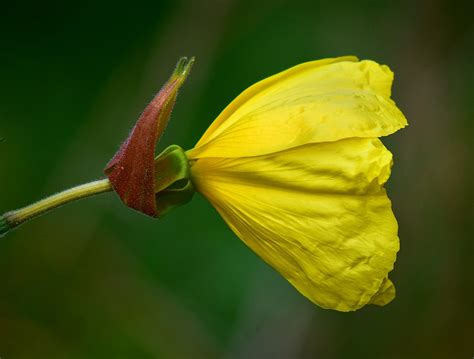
pixel 13 219
pixel 172 188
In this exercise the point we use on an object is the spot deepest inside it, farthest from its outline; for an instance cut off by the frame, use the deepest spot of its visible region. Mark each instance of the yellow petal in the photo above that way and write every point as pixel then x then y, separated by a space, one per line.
pixel 317 213
pixel 385 294
pixel 319 101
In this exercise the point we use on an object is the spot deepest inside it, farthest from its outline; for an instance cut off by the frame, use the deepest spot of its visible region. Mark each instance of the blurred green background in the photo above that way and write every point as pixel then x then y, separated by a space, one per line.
pixel 96 280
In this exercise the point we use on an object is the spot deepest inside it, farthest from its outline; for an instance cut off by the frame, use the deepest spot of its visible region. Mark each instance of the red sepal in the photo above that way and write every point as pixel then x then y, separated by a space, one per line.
pixel 132 169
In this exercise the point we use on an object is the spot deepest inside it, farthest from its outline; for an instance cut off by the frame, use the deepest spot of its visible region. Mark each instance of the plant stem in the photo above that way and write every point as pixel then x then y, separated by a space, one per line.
pixel 13 219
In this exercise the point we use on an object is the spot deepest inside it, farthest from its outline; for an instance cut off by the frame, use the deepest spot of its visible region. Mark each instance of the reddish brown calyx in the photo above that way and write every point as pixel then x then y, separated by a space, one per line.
pixel 132 169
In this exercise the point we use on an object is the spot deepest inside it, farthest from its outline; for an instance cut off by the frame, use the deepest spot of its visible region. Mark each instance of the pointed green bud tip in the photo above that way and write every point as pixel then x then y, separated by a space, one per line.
pixel 4 226
pixel 183 68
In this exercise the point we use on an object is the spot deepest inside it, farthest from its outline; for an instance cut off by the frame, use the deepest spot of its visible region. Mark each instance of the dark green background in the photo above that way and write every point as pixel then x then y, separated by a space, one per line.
pixel 96 280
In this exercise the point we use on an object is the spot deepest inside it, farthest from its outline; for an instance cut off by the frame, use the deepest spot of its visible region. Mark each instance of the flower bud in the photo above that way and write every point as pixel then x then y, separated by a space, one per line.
pixel 132 170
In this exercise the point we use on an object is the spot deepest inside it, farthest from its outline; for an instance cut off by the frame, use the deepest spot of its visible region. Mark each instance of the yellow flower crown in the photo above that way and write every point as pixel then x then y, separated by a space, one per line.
pixel 293 165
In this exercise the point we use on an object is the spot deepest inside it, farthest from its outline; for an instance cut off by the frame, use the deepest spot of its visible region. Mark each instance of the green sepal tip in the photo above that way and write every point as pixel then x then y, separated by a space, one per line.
pixel 183 68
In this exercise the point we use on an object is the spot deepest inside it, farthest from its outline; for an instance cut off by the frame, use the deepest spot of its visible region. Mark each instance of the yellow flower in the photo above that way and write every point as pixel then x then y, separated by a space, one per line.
pixel 295 167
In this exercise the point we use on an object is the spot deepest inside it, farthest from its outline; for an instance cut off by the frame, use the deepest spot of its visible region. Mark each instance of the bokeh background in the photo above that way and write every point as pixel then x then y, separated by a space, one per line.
pixel 96 280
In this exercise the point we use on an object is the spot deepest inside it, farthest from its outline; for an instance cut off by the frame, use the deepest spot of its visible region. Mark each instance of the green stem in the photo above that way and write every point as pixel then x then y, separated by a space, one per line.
pixel 13 219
